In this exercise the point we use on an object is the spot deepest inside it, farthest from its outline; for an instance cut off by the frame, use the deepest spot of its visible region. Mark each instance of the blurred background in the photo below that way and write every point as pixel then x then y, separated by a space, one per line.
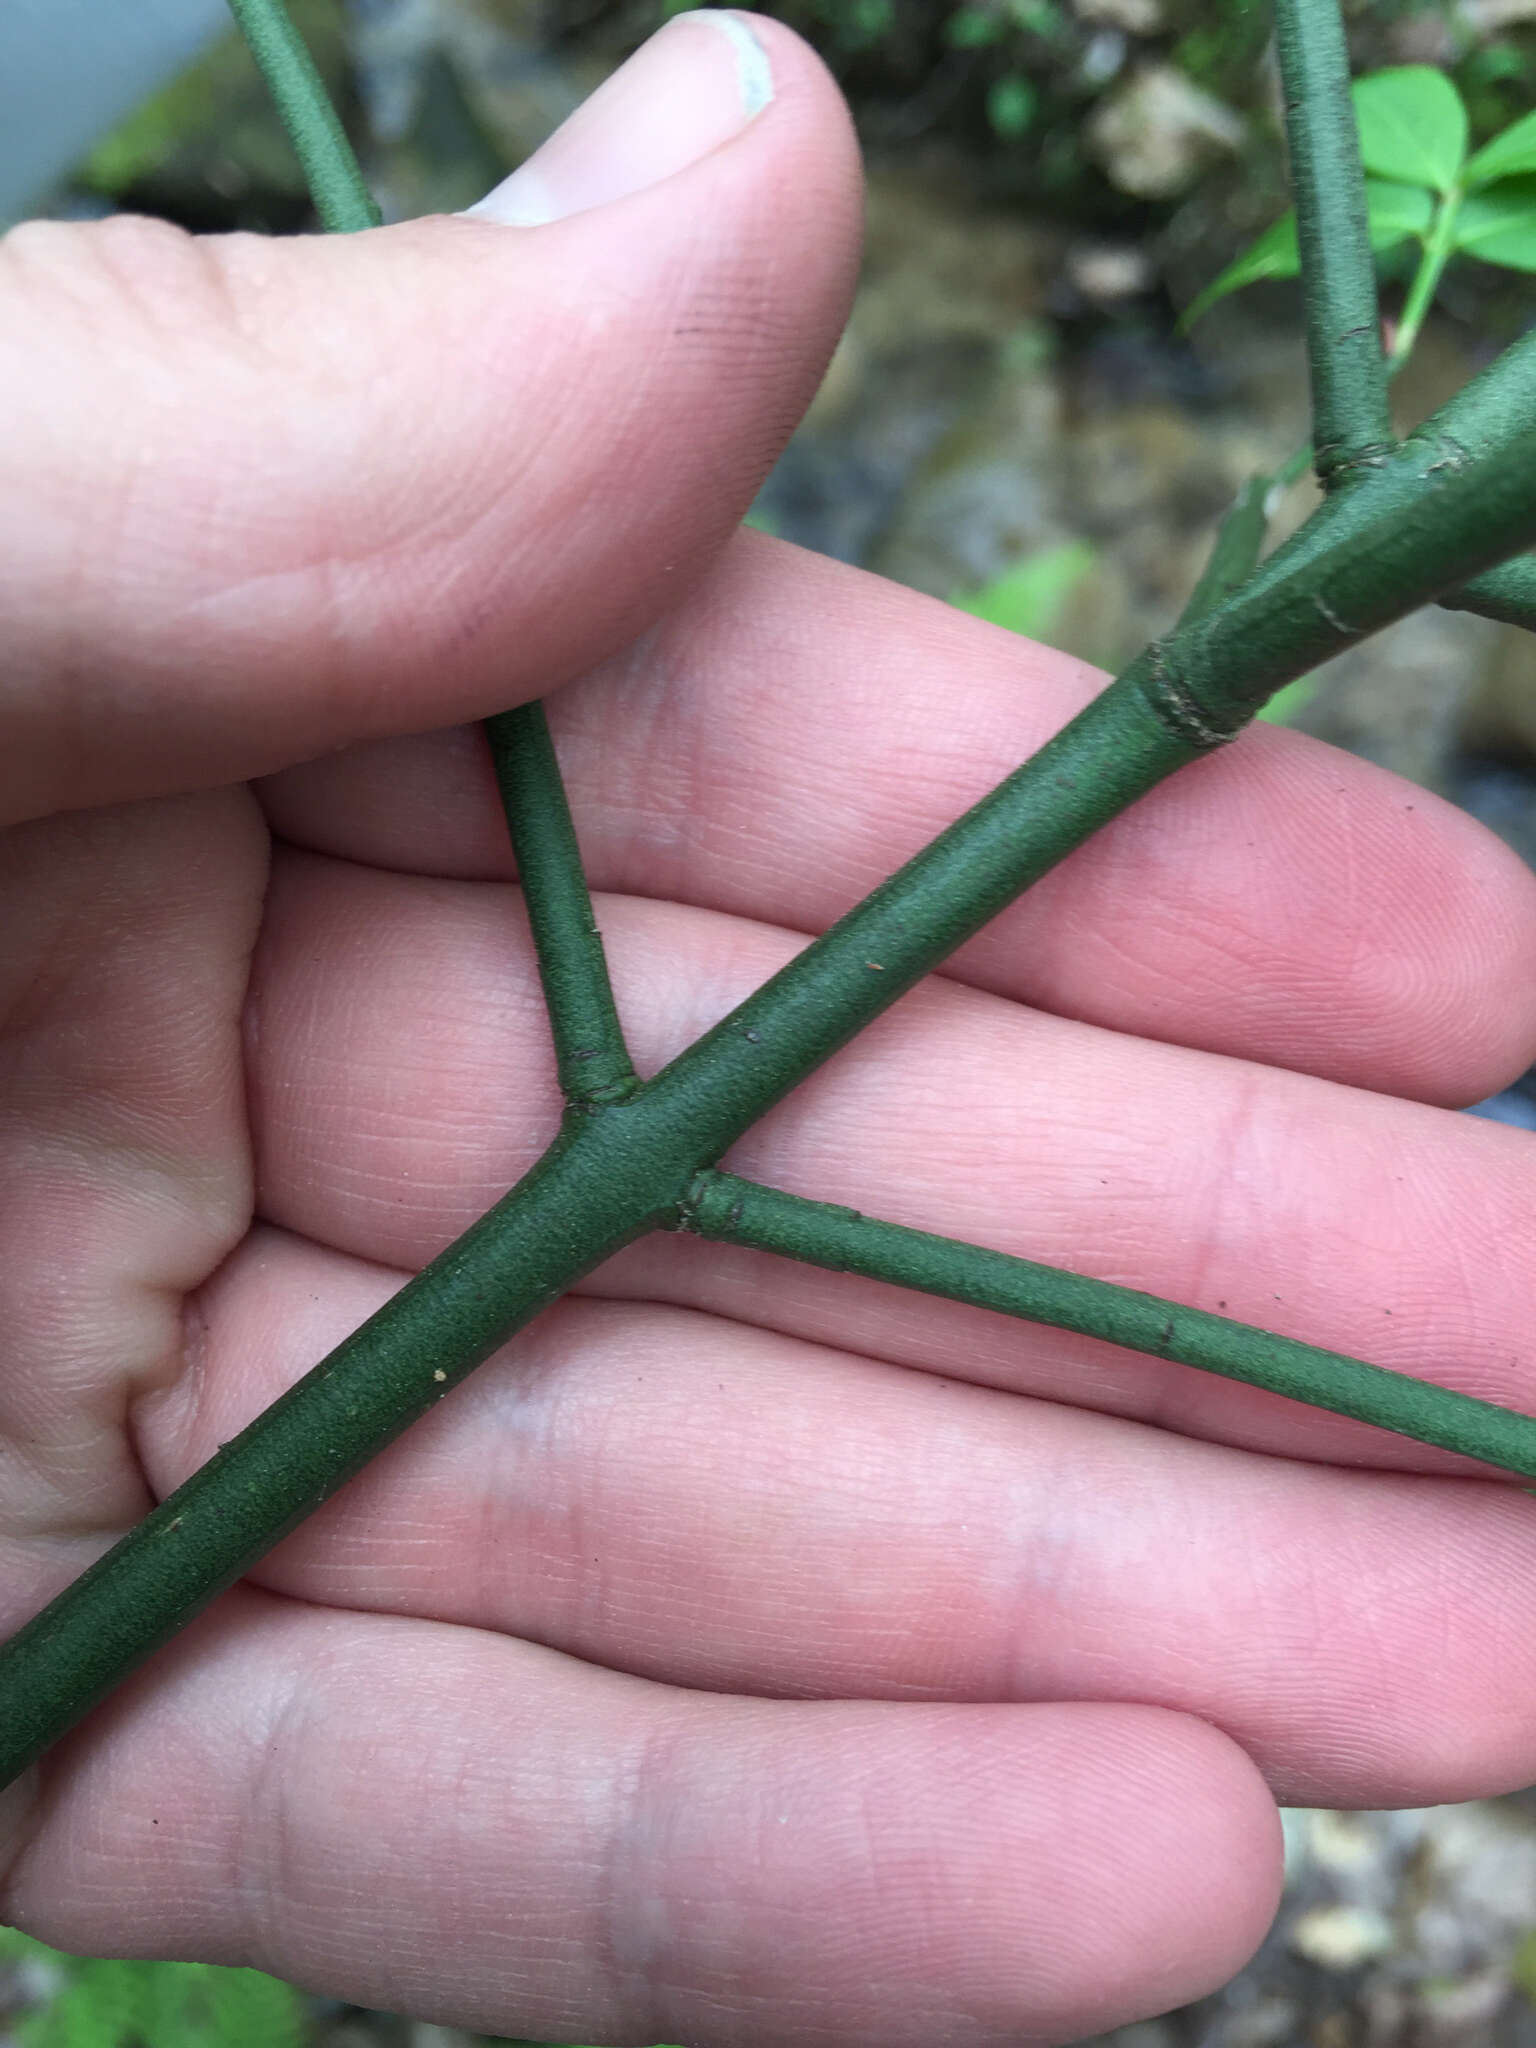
pixel 1016 422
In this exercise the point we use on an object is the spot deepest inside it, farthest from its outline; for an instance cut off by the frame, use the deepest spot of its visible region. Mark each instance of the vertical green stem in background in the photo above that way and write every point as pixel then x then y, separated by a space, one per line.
pixel 1351 423
pixel 1438 250
pixel 341 197
pixel 732 1211
pixel 590 1054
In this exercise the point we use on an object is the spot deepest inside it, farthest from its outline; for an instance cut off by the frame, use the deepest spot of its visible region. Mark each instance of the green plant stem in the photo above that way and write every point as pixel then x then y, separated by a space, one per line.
pixel 1439 246
pixel 1351 422
pixel 341 197
pixel 729 1210
pixel 620 1170
pixel 1234 552
pixel 593 1063
pixel 590 1054
pixel 1341 575
pixel 1507 593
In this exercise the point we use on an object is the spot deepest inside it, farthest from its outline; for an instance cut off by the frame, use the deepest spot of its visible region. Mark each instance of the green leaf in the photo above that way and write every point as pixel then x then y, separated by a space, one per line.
pixel 1028 598
pixel 250 2010
pixel 866 21
pixel 1500 226
pixel 1413 126
pixel 1039 17
pixel 1274 254
pixel 970 28
pixel 1507 156
pixel 1394 213
pixel 1285 703
pixel 1011 106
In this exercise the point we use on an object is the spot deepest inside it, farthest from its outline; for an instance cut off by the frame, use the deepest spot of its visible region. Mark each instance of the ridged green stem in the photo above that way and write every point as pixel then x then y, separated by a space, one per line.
pixel 341 197
pixel 729 1210
pixel 1351 423
pixel 590 1054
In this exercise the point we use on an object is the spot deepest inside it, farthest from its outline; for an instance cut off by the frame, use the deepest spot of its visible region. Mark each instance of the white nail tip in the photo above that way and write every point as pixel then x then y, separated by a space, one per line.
pixel 754 74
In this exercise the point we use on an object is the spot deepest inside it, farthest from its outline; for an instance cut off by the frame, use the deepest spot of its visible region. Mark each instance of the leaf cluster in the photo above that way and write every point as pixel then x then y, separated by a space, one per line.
pixel 1420 185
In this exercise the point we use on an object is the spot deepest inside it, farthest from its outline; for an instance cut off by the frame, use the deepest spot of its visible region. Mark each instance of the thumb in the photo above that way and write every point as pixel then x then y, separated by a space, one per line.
pixel 262 498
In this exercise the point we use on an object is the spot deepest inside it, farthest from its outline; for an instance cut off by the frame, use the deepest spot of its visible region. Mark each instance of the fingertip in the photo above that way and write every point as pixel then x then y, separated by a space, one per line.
pixel 1183 1819
pixel 982 1874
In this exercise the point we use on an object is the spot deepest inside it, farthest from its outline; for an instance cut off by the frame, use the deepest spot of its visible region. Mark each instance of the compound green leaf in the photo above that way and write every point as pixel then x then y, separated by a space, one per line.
pixel 1413 126
pixel 1507 155
pixel 1499 226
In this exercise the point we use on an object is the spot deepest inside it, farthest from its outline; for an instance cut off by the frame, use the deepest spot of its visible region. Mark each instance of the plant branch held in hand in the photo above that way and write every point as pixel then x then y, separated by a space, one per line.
pixel 630 1158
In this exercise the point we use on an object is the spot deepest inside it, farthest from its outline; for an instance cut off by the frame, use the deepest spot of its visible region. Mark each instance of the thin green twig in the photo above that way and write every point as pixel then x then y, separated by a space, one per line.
pixel 729 1210
pixel 1507 593
pixel 589 1044
pixel 1438 249
pixel 341 196
pixel 1351 423
pixel 590 1054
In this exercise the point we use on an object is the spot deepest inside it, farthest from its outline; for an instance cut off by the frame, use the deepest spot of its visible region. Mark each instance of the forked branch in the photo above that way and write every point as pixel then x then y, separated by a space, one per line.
pixel 1416 521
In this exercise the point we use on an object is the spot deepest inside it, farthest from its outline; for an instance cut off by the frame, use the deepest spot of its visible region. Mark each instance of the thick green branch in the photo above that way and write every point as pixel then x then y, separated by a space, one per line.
pixel 1456 498
pixel 341 198
pixel 733 1211
pixel 1351 423
pixel 590 1054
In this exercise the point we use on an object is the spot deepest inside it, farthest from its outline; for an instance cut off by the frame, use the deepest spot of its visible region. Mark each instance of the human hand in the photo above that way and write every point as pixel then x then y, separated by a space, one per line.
pixel 747 1654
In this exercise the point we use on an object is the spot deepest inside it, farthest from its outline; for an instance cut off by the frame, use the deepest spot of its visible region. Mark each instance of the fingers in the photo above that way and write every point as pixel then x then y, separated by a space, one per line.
pixel 262 498
pixel 797 729
pixel 399 1093
pixel 127 1168
pixel 438 1821
pixel 666 1493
